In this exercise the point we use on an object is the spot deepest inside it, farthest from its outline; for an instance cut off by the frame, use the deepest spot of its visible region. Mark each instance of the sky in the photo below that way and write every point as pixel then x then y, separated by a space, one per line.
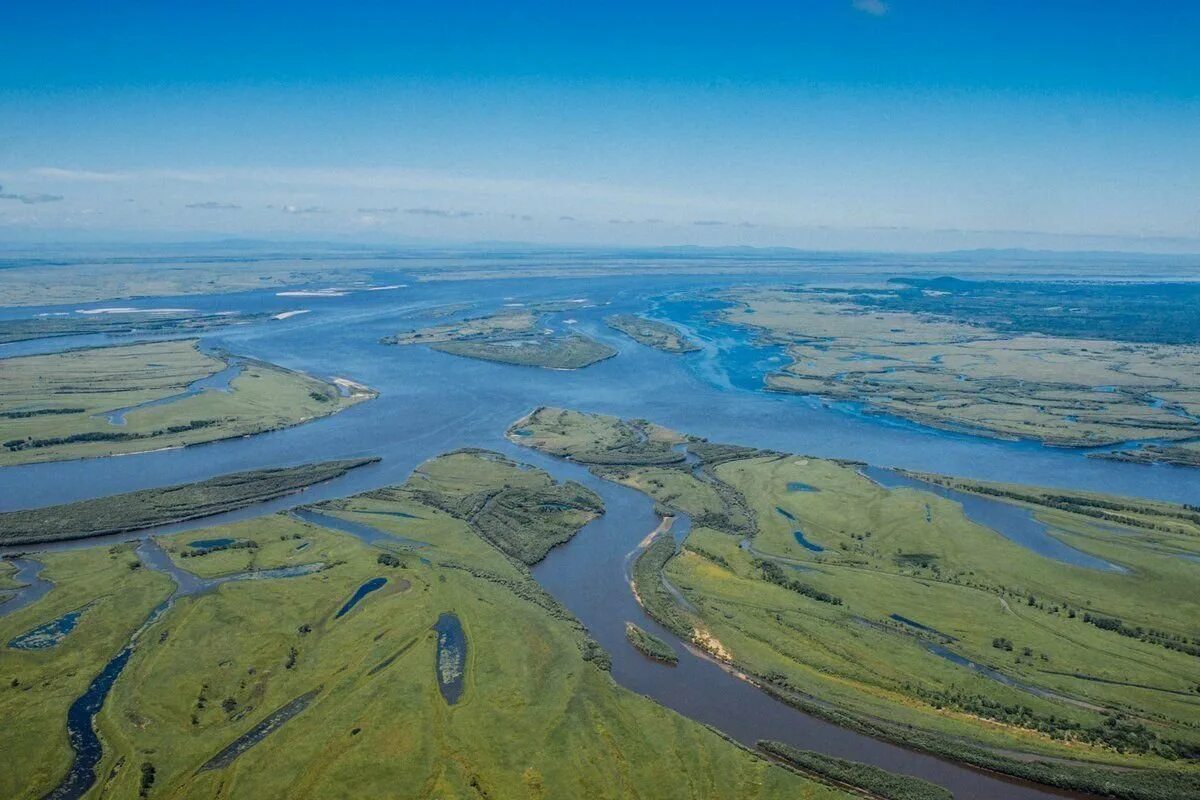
pixel 831 124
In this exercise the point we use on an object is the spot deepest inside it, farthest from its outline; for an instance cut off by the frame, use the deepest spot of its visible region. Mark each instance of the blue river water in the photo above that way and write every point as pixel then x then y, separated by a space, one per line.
pixel 433 402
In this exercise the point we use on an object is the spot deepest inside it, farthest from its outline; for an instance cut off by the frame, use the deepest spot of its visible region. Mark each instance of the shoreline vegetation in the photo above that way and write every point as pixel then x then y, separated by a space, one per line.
pixel 240 691
pixel 652 333
pixel 139 397
pixel 1141 399
pixel 914 624
pixel 148 508
pixel 875 782
pixel 517 337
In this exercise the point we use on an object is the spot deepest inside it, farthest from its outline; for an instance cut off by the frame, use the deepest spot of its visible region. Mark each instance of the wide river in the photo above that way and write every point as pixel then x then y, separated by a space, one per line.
pixel 432 402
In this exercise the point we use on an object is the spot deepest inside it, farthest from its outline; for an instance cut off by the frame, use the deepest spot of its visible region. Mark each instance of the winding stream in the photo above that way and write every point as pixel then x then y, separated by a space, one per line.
pixel 432 402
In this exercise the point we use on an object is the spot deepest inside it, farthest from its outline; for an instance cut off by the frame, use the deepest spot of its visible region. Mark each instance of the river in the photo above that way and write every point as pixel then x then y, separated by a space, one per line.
pixel 433 402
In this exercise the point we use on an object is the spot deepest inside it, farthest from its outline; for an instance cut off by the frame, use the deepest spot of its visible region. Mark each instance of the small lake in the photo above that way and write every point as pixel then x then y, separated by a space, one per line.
pixel 803 542
pixel 48 634
pixel 451 662
pixel 206 544
pixel 362 591
pixel 1013 522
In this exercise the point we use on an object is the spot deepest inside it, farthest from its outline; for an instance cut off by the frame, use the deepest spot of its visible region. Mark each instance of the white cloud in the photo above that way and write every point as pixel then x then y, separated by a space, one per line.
pixel 876 8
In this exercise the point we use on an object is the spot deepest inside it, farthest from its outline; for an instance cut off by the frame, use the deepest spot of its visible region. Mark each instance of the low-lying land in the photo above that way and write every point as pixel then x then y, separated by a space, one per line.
pixel 114 324
pixel 1166 313
pixel 941 372
pixel 510 337
pixel 650 645
pixel 147 508
pixel 652 333
pixel 258 688
pixel 892 612
pixel 107 400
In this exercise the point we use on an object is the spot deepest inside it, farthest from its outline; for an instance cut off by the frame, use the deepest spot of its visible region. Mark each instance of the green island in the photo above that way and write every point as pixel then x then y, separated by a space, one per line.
pixel 147 508
pixel 510 337
pixel 1007 382
pixel 121 322
pixel 332 682
pixel 652 333
pixel 893 613
pixel 650 645
pixel 133 398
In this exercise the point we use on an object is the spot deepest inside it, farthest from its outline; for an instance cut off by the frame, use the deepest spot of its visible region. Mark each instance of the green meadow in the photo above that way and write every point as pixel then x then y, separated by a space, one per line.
pixel 539 716
pixel 906 618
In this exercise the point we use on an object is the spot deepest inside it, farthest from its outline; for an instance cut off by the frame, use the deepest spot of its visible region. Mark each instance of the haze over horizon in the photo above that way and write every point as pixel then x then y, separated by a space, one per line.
pixel 847 124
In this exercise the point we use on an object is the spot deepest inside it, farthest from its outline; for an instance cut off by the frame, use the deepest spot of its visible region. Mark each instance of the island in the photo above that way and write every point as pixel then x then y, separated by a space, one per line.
pixel 1011 381
pixel 652 333
pixel 516 337
pixel 986 623
pixel 101 401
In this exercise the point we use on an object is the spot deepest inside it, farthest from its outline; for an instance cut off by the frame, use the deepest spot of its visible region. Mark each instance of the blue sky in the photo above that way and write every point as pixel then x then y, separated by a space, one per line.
pixel 873 124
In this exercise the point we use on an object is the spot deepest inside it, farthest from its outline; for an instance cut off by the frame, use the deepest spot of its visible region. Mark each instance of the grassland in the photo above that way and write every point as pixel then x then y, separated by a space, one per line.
pixel 950 374
pixel 652 333
pixel 262 543
pixel 510 337
pixel 539 716
pixel 913 623
pixel 149 322
pixel 39 685
pixel 55 407
pixel 149 507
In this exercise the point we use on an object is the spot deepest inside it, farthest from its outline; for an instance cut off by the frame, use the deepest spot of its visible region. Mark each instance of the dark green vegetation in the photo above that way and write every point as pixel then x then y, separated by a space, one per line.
pixel 913 623
pixel 1167 313
pixel 16 330
pixel 652 333
pixel 150 507
pixel 522 512
pixel 650 644
pixel 256 689
pixel 877 782
pixel 510 337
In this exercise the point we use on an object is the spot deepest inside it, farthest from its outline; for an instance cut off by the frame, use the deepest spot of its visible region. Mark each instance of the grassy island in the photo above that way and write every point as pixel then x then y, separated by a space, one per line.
pixel 894 613
pixel 108 400
pixel 116 324
pixel 652 333
pixel 147 508
pixel 1009 381
pixel 650 645
pixel 510 337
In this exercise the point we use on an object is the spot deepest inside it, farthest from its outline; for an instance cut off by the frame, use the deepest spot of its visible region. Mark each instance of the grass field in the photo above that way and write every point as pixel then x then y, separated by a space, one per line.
pixel 55 407
pixel 539 716
pixel 884 621
pixel 39 685
pixel 948 374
